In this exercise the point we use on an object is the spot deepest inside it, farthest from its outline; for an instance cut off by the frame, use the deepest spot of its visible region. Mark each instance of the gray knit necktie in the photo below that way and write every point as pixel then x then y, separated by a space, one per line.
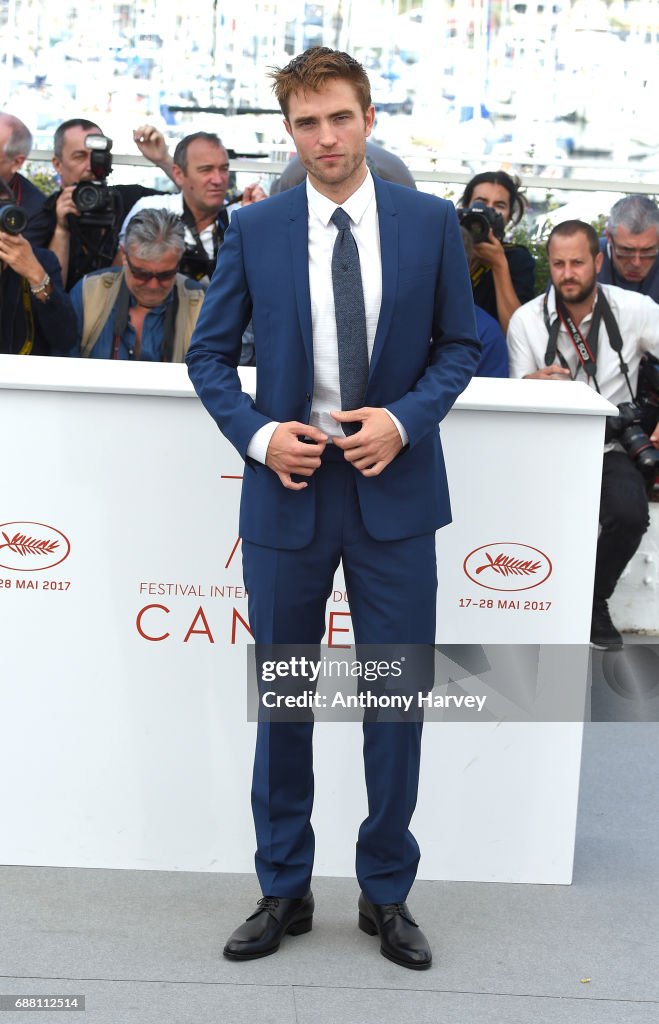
pixel 350 319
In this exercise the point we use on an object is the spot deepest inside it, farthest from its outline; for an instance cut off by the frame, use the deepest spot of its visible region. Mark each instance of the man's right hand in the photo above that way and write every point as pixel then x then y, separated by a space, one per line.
pixel 64 206
pixel 553 372
pixel 288 455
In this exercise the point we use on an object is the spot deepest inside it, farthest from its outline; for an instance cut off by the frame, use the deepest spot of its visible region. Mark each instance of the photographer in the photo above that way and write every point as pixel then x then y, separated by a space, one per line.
pixel 15 146
pixel 36 314
pixel 578 330
pixel 84 243
pixel 502 274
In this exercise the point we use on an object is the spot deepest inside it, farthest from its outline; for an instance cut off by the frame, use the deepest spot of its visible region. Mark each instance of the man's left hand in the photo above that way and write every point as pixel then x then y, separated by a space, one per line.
pixel 253 194
pixel 151 144
pixel 373 447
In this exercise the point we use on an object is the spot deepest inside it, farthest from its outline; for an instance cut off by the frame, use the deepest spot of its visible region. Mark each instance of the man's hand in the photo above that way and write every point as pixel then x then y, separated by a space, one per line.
pixel 373 447
pixel 553 372
pixel 17 253
pixel 654 436
pixel 64 206
pixel 151 144
pixel 287 454
pixel 491 253
pixel 253 194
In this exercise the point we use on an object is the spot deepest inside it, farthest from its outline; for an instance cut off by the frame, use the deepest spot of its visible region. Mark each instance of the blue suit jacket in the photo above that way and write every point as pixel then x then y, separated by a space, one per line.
pixel 426 349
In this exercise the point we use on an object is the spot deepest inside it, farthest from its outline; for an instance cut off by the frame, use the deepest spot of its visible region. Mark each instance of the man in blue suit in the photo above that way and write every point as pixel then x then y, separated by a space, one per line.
pixel 343 462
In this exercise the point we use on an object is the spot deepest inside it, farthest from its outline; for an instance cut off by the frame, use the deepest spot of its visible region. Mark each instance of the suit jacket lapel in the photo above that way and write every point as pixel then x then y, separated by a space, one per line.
pixel 388 222
pixel 298 233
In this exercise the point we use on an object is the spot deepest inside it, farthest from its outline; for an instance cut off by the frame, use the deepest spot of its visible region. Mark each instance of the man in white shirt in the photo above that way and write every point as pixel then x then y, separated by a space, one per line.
pixel 568 334
pixel 360 299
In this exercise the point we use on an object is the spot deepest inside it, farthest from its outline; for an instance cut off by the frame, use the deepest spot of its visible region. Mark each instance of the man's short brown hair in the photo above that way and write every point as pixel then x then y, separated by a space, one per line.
pixel 576 227
pixel 311 70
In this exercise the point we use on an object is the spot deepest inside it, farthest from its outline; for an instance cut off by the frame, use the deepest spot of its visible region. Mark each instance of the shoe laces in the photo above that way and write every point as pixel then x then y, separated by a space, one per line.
pixel 396 908
pixel 268 902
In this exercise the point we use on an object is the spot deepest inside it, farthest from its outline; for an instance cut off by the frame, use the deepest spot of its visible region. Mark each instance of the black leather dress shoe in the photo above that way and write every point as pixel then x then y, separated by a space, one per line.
pixel 262 932
pixel 401 939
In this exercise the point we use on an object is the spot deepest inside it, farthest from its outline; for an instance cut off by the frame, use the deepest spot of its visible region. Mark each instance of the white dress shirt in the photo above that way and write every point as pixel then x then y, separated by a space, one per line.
pixel 362 209
pixel 637 317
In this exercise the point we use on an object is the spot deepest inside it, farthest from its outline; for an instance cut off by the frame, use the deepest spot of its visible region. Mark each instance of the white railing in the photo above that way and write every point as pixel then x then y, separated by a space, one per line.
pixel 531 182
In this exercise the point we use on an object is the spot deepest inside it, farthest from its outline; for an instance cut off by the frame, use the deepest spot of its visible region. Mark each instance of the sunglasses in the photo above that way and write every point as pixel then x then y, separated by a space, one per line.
pixel 145 275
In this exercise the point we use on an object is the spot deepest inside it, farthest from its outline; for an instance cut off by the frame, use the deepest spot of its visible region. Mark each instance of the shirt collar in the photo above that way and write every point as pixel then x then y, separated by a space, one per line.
pixel 355 206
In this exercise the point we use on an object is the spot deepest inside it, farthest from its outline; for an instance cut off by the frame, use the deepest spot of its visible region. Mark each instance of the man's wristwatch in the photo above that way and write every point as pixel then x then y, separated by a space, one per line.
pixel 43 290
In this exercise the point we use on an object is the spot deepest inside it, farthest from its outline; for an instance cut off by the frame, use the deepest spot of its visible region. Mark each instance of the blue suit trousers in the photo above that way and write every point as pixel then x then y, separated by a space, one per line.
pixel 391 590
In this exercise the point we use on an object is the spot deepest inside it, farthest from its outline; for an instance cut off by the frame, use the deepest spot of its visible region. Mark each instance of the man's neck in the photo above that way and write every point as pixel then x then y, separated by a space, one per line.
pixel 342 191
pixel 202 218
pixel 577 311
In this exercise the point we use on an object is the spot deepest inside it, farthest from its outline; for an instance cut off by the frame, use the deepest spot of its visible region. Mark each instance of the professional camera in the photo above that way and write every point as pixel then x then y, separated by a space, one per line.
pixel 478 218
pixel 13 218
pixel 627 430
pixel 94 198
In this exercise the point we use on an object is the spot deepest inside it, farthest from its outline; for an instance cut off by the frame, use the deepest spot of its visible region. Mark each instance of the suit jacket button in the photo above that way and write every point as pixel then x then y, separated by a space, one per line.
pixel 308 396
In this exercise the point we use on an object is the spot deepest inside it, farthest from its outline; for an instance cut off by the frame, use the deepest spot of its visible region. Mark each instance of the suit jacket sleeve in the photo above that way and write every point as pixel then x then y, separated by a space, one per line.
pixel 215 348
pixel 454 349
pixel 55 318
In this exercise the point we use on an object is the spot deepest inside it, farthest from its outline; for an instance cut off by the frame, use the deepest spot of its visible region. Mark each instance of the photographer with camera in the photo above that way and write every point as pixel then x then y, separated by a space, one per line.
pixel 15 146
pixel 502 274
pixel 80 223
pixel 599 334
pixel 35 312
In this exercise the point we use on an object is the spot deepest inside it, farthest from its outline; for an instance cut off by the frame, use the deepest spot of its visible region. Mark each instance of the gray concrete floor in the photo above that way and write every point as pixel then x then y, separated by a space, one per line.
pixel 145 947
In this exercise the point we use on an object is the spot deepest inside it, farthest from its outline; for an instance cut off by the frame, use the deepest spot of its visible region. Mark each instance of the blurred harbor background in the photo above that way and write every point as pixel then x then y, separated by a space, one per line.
pixel 561 93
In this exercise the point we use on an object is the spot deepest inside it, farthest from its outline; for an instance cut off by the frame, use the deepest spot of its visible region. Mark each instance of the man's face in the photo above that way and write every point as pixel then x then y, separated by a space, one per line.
pixel 204 184
pixel 495 196
pixel 74 164
pixel 633 255
pixel 329 129
pixel 573 268
pixel 148 290
pixel 8 165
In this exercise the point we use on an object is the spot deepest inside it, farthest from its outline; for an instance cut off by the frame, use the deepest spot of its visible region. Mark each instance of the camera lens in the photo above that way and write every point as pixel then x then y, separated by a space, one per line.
pixel 86 197
pixel 648 462
pixel 13 219
pixel 634 440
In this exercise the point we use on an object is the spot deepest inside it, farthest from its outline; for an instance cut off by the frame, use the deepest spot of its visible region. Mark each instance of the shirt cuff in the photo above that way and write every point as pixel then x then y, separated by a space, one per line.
pixel 399 427
pixel 257 448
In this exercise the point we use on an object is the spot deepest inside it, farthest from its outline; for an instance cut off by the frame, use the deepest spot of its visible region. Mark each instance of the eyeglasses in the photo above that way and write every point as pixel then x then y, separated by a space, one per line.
pixel 645 255
pixel 145 275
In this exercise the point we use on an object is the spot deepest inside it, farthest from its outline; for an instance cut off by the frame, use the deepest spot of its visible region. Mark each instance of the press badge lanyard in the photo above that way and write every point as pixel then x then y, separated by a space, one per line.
pixel 587 354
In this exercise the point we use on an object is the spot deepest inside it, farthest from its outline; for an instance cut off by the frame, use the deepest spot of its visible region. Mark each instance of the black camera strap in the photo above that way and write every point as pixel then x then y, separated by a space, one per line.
pixel 586 349
pixel 198 252
pixel 615 338
pixel 121 311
